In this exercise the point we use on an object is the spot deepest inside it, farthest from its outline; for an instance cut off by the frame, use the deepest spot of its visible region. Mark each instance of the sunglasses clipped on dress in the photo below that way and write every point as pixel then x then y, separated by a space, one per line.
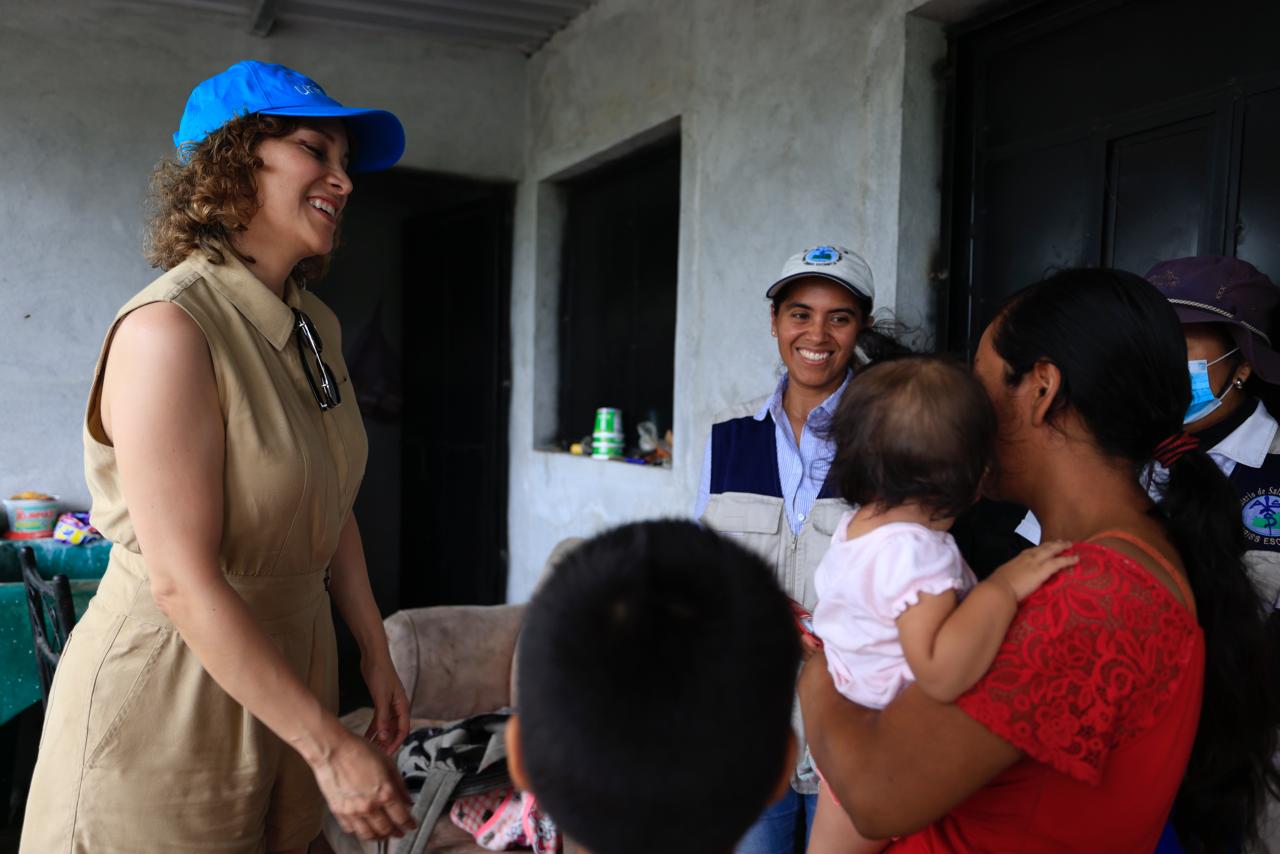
pixel 309 349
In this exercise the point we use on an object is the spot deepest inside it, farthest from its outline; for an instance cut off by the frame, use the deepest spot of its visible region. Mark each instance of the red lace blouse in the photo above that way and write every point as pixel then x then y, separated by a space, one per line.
pixel 1098 683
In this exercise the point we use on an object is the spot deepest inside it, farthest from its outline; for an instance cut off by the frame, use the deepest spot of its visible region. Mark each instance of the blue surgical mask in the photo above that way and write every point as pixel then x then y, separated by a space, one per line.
pixel 1202 399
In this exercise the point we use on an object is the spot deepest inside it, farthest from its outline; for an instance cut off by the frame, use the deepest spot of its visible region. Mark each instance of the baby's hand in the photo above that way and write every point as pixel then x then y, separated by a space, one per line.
pixel 1025 573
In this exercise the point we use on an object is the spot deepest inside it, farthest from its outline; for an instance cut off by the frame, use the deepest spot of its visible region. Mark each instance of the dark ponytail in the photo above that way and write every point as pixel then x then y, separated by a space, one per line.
pixel 883 342
pixel 1122 356
pixel 1225 786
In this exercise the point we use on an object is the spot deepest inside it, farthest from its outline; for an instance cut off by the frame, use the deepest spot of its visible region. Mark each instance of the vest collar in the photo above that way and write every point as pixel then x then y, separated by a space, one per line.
pixel 824 411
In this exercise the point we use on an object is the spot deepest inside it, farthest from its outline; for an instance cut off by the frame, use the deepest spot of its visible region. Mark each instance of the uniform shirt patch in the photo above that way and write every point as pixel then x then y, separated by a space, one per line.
pixel 1260 513
pixel 1259 491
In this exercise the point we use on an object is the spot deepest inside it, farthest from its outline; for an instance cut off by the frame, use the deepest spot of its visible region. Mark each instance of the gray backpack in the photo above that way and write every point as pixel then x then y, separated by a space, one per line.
pixel 441 763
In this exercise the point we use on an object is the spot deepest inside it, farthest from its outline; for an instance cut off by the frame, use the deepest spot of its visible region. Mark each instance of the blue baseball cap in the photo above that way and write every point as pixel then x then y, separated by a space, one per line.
pixel 259 87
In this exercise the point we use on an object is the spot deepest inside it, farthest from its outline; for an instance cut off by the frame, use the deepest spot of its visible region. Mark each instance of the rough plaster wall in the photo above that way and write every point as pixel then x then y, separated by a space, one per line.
pixel 791 114
pixel 791 120
pixel 921 269
pixel 91 92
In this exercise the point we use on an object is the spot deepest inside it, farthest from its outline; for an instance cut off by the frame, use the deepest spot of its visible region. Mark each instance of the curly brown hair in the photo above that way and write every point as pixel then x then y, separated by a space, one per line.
pixel 210 191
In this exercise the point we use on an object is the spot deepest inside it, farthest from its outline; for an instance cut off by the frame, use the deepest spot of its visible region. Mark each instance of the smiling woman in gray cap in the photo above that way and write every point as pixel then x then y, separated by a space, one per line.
pixel 764 472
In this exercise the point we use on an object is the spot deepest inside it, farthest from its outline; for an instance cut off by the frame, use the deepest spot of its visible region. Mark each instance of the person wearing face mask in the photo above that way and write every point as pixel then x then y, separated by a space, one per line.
pixel 764 473
pixel 1225 306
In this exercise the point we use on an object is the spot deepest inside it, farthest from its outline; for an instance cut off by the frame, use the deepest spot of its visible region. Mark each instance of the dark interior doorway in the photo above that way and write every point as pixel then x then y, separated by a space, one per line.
pixel 1113 133
pixel 455 442
pixel 422 286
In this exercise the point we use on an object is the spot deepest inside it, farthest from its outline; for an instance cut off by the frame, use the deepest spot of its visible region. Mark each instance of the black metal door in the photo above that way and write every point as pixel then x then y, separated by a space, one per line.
pixel 1114 133
pixel 457 386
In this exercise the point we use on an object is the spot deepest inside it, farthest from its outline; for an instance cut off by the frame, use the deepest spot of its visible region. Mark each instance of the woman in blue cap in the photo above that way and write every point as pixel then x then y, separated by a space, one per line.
pixel 194 707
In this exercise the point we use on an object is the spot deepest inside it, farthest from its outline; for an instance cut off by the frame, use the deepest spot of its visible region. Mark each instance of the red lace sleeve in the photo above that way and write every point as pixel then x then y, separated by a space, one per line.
pixel 1090 661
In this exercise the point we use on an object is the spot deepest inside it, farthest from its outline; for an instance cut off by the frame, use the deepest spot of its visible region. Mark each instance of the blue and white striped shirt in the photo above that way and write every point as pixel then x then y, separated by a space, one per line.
pixel 802 469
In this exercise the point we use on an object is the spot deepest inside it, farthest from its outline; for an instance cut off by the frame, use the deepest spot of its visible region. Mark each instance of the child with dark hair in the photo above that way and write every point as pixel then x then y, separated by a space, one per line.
pixel 654 655
pixel 896 602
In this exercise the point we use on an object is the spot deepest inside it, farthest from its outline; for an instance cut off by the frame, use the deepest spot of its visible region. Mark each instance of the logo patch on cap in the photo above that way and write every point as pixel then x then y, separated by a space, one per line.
pixel 822 256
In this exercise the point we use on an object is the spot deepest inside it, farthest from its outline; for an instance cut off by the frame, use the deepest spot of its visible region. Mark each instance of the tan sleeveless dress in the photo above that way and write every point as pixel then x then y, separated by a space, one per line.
pixel 142 751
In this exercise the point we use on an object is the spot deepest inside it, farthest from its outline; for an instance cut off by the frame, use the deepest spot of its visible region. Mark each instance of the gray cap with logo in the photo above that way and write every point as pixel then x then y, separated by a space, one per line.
pixel 840 265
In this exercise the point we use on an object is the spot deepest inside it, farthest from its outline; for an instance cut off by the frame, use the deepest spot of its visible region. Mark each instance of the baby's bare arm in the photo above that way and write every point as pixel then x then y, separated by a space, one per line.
pixel 948 646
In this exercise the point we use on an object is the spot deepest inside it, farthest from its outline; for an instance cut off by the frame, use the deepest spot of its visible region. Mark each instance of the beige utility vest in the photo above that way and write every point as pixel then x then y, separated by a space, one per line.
pixel 759 522
pixel 746 504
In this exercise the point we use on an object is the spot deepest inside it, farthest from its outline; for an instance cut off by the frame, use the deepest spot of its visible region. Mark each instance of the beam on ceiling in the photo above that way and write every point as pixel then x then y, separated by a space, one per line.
pixel 504 8
pixel 387 11
pixel 310 13
pixel 262 17
pixel 225 7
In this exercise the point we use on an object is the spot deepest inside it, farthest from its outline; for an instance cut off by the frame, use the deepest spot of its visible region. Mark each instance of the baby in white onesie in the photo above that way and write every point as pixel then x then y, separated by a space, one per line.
pixel 896 603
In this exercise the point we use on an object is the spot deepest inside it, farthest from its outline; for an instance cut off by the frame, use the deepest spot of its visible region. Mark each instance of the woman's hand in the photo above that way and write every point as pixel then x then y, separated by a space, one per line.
pixel 390 722
pixel 897 770
pixel 364 790
pixel 809 642
pixel 810 645
pixel 349 587
pixel 813 674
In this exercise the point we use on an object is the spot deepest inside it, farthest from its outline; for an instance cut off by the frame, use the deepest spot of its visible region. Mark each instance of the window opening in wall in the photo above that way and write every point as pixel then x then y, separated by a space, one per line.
pixel 618 301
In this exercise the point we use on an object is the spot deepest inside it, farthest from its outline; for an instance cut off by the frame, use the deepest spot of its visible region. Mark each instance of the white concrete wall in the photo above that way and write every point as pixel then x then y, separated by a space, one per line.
pixel 791 117
pixel 90 93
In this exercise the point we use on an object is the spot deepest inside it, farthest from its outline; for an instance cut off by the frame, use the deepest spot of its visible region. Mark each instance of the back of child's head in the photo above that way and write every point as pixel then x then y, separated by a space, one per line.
pixel 656 669
pixel 915 429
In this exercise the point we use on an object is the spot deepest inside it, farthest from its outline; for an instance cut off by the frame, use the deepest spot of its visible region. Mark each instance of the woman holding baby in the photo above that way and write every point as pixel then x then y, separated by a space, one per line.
pixel 1134 677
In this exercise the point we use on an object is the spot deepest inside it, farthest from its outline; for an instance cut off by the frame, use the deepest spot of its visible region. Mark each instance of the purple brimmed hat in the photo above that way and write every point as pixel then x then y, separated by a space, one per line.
pixel 1216 289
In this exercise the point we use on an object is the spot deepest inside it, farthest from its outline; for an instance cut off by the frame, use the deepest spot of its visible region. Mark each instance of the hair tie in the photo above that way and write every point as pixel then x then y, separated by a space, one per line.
pixel 1174 448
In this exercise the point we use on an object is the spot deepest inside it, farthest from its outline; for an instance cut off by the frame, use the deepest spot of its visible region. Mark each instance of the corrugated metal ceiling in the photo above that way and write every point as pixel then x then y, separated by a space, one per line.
pixel 518 25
